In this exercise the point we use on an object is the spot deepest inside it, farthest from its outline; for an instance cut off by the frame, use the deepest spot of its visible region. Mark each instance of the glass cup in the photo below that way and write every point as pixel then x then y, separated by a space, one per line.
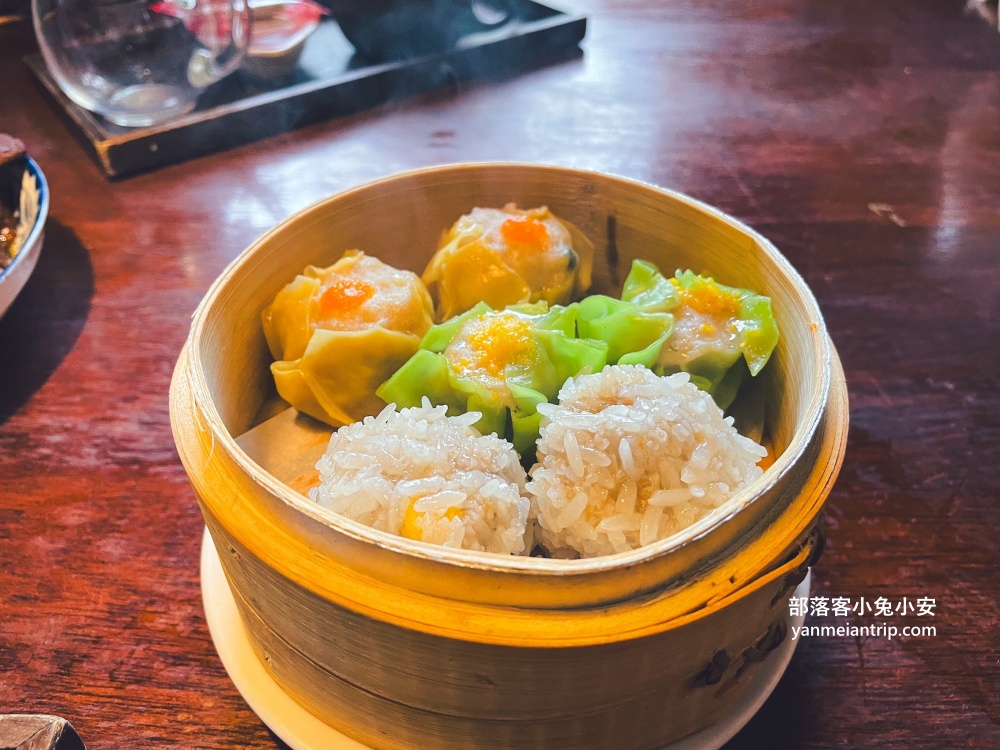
pixel 136 62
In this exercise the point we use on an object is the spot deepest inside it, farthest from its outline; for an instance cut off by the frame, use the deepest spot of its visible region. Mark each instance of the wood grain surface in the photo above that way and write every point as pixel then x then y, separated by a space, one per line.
pixel 862 137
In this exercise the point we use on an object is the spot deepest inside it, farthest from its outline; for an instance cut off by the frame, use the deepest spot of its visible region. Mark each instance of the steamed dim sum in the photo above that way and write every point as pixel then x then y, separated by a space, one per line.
pixel 499 363
pixel 337 333
pixel 720 333
pixel 508 256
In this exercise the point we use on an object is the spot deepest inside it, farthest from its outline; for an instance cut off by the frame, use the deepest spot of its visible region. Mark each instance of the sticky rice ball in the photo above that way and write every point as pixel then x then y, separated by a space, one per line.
pixel 426 476
pixel 628 458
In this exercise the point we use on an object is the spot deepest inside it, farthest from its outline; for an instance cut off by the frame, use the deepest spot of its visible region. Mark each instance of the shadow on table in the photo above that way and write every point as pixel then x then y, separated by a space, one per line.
pixel 46 319
pixel 776 724
pixel 278 743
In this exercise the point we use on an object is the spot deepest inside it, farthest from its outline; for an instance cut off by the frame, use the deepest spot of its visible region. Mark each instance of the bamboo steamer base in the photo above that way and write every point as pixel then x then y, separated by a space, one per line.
pixel 302 730
pixel 402 645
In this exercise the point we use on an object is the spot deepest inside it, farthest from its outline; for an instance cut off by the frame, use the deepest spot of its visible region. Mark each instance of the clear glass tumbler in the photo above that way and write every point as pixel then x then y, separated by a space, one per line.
pixel 137 62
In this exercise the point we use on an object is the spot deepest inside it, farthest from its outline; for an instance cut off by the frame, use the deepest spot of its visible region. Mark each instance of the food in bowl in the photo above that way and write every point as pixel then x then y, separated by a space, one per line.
pixel 8 233
pixel 616 403
pixel 12 166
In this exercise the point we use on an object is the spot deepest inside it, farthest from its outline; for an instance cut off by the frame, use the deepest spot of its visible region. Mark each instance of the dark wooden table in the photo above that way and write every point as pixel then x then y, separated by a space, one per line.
pixel 862 137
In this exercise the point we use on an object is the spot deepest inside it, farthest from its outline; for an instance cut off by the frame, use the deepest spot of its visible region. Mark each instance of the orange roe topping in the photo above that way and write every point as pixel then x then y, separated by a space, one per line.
pixel 410 527
pixel 344 296
pixel 768 460
pixel 706 298
pixel 525 230
pixel 498 341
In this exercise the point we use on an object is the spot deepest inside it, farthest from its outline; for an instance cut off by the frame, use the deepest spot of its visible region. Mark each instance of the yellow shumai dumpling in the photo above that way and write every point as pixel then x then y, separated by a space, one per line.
pixel 338 333
pixel 507 256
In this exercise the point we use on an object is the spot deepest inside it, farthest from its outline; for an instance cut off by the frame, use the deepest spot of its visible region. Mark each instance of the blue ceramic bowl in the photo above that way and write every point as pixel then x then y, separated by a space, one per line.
pixel 32 212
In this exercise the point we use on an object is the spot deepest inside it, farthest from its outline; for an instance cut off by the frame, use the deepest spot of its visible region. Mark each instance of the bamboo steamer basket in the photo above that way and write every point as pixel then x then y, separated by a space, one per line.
pixel 404 645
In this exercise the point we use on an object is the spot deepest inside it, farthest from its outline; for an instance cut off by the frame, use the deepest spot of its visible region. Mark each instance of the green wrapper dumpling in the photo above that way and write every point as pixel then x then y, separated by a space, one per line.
pixel 720 333
pixel 508 256
pixel 499 363
pixel 337 333
pixel 635 336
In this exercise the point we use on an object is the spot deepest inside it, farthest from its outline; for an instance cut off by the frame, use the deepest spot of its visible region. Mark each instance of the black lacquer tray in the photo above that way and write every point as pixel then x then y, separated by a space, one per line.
pixel 330 80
